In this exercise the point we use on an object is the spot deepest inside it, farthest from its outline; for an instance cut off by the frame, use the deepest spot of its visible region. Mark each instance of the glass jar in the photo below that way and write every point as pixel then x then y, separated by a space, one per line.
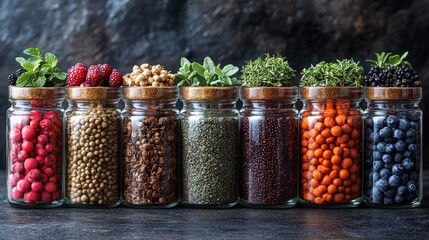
pixel 269 142
pixel 93 147
pixel 330 168
pixel 151 139
pixel 210 129
pixel 393 147
pixel 34 127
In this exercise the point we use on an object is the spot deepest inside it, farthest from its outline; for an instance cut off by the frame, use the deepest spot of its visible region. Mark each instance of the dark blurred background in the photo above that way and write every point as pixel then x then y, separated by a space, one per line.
pixel 125 33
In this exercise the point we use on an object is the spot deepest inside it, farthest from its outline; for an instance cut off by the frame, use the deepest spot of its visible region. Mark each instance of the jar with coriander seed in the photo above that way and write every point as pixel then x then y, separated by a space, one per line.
pixel 393 160
pixel 268 134
pixel 150 140
pixel 209 135
pixel 330 135
pixel 34 133
pixel 93 154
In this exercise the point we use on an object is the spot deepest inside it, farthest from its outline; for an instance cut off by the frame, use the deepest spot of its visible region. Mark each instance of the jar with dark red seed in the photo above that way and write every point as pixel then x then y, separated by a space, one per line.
pixel 330 147
pixel 269 142
pixel 35 140
pixel 151 147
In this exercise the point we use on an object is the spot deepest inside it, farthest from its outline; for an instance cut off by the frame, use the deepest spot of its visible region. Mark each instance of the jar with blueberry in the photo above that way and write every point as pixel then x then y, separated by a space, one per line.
pixel 392 134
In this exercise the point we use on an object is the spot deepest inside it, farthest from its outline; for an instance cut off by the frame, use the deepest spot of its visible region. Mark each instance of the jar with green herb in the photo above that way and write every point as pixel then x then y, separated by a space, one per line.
pixel 34 132
pixel 268 134
pixel 330 131
pixel 393 160
pixel 210 131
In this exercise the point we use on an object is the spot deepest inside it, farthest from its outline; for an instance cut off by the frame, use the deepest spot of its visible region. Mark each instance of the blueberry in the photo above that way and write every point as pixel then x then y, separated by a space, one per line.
pixel 402 190
pixel 390 193
pixel 375 137
pixel 408 164
pixel 399 198
pixel 391 121
pixel 413 125
pixel 377 196
pixel 381 146
pixel 387 201
pixel 413 116
pixel 382 185
pixel 378 123
pixel 385 173
pixel 398 134
pixel 369 122
pixel 387 158
pixel 398 157
pixel 413 175
pixel 385 132
pixel 410 140
pixel 412 147
pixel 411 186
pixel 390 140
pixel 377 165
pixel 389 148
pixel 403 124
pixel 397 169
pixel 408 154
pixel 376 156
pixel 405 177
pixel 394 181
pixel 411 133
pixel 400 146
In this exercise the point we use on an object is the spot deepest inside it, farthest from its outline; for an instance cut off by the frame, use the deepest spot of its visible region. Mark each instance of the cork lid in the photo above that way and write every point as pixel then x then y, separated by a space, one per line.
pixel 321 93
pixel 393 93
pixel 209 93
pixel 36 93
pixel 93 93
pixel 269 93
pixel 149 93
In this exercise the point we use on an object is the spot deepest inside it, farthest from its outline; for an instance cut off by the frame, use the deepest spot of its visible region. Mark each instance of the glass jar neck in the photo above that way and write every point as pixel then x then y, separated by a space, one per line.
pixel 409 104
pixel 199 105
pixel 34 104
pixel 268 104
pixel 150 104
pixel 331 104
pixel 85 104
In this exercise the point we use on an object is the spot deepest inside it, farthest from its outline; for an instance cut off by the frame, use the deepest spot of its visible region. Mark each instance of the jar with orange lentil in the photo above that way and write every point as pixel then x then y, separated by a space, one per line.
pixel 330 145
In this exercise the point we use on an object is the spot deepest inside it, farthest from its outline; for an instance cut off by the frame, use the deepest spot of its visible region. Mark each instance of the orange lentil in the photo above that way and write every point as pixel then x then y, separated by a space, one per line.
pixel 343 138
pixel 326 133
pixel 355 134
pixel 350 121
pixel 304 123
pixel 305 134
pixel 318 153
pixel 336 131
pixel 347 183
pixel 347 190
pixel 336 159
pixel 318 200
pixel 354 169
pixel 329 122
pixel 333 174
pixel 332 189
pixel 323 169
pixel 339 197
pixel 346 152
pixel 313 146
pixel 347 163
pixel 347 198
pixel 346 128
pixel 344 174
pixel 328 197
pixel 330 113
pixel 336 167
pixel 313 133
pixel 327 154
pixel 338 182
pixel 351 143
pixel 327 163
pixel 314 162
pixel 310 153
pixel 304 166
pixel 314 183
pixel 319 139
pixel 354 153
pixel 324 146
pixel 330 140
pixel 340 120
pixel 322 189
pixel 317 175
pixel 340 189
pixel 304 143
pixel 355 188
pixel 337 151
pixel 312 168
pixel 326 180
pixel 319 126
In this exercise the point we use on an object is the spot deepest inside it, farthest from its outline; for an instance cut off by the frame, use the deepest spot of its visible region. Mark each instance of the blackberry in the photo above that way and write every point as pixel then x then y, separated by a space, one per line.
pixel 407 77
pixel 12 79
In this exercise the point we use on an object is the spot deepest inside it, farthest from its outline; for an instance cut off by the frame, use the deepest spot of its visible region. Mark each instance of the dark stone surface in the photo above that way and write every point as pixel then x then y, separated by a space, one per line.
pixel 124 33
pixel 296 223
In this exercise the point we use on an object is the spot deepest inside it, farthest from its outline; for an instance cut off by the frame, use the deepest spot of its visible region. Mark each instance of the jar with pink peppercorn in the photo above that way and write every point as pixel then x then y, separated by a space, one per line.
pixel 34 147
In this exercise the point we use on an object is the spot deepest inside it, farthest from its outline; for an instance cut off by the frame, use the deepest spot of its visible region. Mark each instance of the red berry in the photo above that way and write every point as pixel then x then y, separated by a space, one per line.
pixel 27 146
pixel 42 152
pixel 44 178
pixel 18 167
pixel 105 70
pixel 37 187
pixel 39 159
pixel 28 133
pixel 85 84
pixel 34 175
pixel 46 124
pixel 31 197
pixel 35 125
pixel 49 147
pixel 56 195
pixel 76 75
pixel 16 194
pixel 36 115
pixel 53 179
pixel 22 155
pixel 94 77
pixel 49 171
pixel 46 197
pixel 80 65
pixel 30 163
pixel 15 135
pixel 12 180
pixel 115 79
pixel 23 185
pixel 50 187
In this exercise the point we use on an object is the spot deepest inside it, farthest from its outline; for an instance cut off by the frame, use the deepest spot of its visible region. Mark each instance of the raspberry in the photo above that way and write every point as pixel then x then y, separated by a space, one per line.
pixel 76 75
pixel 106 70
pixel 115 79
pixel 94 77
pixel 80 65
pixel 85 84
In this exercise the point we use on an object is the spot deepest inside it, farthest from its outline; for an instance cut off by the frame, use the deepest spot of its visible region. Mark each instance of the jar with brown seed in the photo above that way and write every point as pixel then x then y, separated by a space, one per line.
pixel 151 137
pixel 93 156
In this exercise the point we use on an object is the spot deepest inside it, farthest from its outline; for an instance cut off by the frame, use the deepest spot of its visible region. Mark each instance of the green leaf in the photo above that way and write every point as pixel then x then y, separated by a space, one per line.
pixel 218 71
pixel 208 64
pixel 181 83
pixel 40 81
pixel 198 68
pixel 21 60
pixel 25 79
pixel 230 70
pixel 60 75
pixel 43 71
pixel 214 83
pixel 394 60
pixel 207 75
pixel 180 75
pixel 35 52
pixel 51 59
pixel 28 66
pixel 184 61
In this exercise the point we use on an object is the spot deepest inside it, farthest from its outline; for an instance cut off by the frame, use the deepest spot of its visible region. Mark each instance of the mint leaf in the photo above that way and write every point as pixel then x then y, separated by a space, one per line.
pixel 184 61
pixel 21 60
pixel 198 68
pixel 60 75
pixel 208 64
pixel 35 52
pixel 230 70
pixel 25 79
pixel 51 59
pixel 40 81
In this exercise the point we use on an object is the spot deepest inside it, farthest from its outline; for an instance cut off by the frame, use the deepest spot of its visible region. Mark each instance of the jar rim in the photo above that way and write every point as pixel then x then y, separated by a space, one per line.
pixel 393 93
pixel 149 93
pixel 324 93
pixel 93 93
pixel 36 93
pixel 209 93
pixel 269 93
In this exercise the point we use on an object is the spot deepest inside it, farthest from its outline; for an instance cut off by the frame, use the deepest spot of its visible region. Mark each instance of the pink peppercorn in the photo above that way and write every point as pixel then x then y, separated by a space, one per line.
pixel 56 195
pixel 36 115
pixel 44 178
pixel 22 155
pixel 16 194
pixel 31 197
pixel 43 139
pixel 46 197
pixel 30 163
pixel 27 146
pixel 12 180
pixel 23 185
pixel 42 152
pixel 50 187
pixel 48 171
pixel 34 175
pixel 35 125
pixel 37 187
pixel 39 159
pixel 28 133
pixel 18 167
pixel 15 135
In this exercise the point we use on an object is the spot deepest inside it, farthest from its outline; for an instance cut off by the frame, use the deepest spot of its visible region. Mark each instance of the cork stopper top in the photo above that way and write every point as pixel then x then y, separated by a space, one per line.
pixel 36 93
pixel 209 93
pixel 93 93
pixel 269 93
pixel 150 93
pixel 322 93
pixel 393 93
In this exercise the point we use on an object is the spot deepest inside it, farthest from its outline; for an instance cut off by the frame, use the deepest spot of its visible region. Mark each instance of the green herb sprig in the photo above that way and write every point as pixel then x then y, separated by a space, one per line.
pixel 342 73
pixel 273 71
pixel 384 59
pixel 197 75
pixel 40 71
